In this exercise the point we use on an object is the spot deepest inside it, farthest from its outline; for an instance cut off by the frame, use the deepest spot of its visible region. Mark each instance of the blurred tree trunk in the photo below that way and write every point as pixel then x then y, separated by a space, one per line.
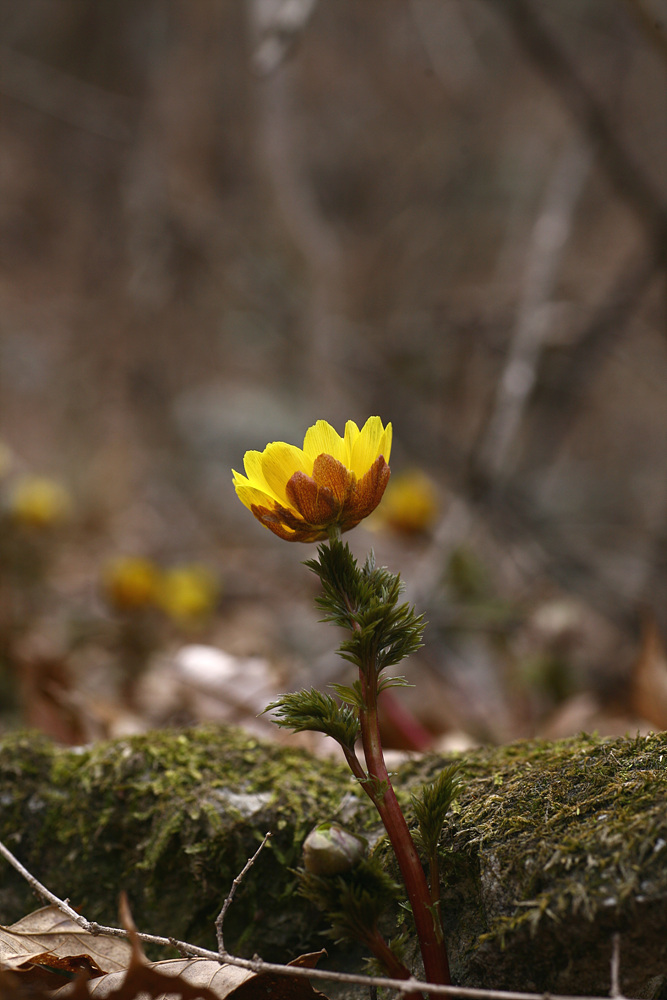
pixel 319 338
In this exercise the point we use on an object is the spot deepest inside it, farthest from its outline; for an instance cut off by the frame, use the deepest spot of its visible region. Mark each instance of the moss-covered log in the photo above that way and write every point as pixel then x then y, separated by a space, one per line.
pixel 552 849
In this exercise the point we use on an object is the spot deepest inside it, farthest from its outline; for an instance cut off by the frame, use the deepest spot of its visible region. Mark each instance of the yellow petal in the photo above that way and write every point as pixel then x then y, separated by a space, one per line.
pixel 252 463
pixel 279 463
pixel 372 442
pixel 322 439
pixel 351 434
pixel 249 495
pixel 254 467
pixel 385 442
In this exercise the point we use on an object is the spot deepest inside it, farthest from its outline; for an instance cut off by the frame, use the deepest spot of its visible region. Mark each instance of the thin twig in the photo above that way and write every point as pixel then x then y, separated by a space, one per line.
pixel 259 966
pixel 280 145
pixel 568 390
pixel 237 881
pixel 37 886
pixel 449 45
pixel 615 991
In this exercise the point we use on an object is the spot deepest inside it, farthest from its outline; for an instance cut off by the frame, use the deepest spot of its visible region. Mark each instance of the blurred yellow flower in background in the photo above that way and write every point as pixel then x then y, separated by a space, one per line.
pixel 130 583
pixel 333 482
pixel 38 502
pixel 188 594
pixel 411 503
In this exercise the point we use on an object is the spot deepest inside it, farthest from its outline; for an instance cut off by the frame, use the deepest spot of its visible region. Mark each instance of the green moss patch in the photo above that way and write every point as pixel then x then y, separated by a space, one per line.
pixel 171 818
pixel 555 847
pixel 552 847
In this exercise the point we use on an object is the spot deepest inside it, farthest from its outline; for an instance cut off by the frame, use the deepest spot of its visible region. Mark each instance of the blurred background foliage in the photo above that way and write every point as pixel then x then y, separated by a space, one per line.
pixel 221 220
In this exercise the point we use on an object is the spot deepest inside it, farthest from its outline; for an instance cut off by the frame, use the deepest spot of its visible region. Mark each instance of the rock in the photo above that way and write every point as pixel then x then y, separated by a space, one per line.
pixel 551 850
pixel 556 847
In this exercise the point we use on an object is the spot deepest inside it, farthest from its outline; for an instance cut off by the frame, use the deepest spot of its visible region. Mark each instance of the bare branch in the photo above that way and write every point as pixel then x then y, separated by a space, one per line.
pixel 448 43
pixel 64 96
pixel 650 25
pixel 278 26
pixel 280 152
pixel 625 291
pixel 545 250
pixel 237 881
pixel 615 991
pixel 42 890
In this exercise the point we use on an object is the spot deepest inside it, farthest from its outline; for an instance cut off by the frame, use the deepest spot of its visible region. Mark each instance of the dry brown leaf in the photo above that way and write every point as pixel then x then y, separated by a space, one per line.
pixel 46 972
pixel 46 945
pixel 185 977
pixel 584 713
pixel 193 977
pixel 309 960
pixel 49 931
pixel 648 681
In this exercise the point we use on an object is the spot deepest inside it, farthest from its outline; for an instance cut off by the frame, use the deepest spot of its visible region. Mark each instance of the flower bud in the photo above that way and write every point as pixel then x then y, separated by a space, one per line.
pixel 330 849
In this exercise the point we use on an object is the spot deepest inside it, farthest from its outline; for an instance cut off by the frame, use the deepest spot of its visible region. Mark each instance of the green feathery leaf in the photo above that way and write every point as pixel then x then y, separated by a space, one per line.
pixel 313 711
pixel 393 682
pixel 353 901
pixel 350 694
pixel 365 602
pixel 432 804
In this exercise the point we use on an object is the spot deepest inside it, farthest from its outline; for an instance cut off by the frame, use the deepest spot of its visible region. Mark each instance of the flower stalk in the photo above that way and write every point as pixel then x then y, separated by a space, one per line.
pixel 378 786
pixel 311 494
pixel 381 632
pixel 427 921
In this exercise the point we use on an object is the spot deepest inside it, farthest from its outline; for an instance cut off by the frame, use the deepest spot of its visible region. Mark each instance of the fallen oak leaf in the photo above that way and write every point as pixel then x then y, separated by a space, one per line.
pixel 189 979
pixel 48 971
pixel 46 936
pixel 184 978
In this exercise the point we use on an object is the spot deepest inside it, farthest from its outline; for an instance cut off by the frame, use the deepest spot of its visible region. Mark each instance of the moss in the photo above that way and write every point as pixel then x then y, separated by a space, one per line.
pixel 562 844
pixel 170 817
pixel 551 849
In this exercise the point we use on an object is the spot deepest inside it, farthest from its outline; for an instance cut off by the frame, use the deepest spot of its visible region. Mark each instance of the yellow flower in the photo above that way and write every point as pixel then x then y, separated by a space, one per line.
pixel 188 593
pixel 333 482
pixel 39 502
pixel 411 503
pixel 131 583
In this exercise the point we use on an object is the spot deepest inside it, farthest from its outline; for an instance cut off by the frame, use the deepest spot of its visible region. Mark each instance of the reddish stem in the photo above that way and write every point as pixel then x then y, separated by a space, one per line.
pixel 379 788
pixel 382 951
